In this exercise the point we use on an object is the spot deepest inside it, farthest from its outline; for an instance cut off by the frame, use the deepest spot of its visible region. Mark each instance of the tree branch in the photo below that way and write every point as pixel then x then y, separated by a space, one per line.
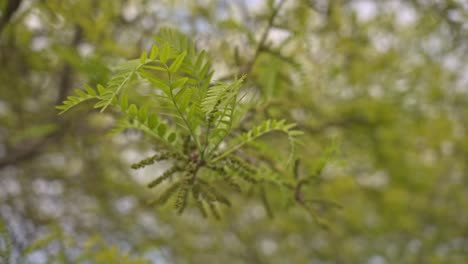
pixel 263 38
pixel 32 150
pixel 66 75
pixel 21 153
pixel 11 7
pixel 260 46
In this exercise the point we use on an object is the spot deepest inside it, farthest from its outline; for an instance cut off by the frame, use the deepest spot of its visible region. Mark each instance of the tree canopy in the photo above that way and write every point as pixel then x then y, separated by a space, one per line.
pixel 290 131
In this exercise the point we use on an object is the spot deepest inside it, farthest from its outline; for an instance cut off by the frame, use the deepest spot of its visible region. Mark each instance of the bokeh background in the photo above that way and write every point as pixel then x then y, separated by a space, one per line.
pixel 384 81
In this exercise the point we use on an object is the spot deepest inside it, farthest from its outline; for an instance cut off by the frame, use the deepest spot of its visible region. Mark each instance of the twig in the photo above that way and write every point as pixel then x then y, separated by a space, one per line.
pixel 260 46
pixel 67 72
pixel 264 36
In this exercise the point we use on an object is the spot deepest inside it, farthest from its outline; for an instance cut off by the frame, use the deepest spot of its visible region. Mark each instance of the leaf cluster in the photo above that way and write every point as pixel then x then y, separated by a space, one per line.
pixel 191 119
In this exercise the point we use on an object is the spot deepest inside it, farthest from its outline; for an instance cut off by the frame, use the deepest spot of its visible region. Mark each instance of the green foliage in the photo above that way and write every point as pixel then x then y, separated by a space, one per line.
pixel 205 114
pixel 264 128
pixel 82 95
pixel 219 106
pixel 385 79
pixel 94 250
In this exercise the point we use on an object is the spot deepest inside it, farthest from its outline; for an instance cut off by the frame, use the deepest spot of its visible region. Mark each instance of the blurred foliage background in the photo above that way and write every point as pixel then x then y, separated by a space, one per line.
pixel 387 81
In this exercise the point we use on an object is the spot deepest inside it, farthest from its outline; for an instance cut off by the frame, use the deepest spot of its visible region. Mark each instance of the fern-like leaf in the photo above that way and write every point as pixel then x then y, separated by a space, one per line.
pixel 219 106
pixel 220 95
pixel 149 123
pixel 126 71
pixel 183 74
pixel 81 96
pixel 262 129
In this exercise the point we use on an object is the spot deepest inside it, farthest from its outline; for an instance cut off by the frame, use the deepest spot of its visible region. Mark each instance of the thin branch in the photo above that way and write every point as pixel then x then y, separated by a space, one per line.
pixel 11 7
pixel 260 46
pixel 192 133
pixel 65 82
pixel 264 36
pixel 20 155
pixel 278 54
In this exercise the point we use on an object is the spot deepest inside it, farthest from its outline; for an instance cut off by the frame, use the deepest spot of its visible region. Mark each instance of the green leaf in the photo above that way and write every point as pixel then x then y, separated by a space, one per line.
pixel 171 138
pixel 143 57
pixel 152 121
pixel 162 130
pixel 157 68
pixel 132 110
pixel 80 93
pixel 179 82
pixel 119 81
pixel 257 131
pixel 183 97
pixel 101 89
pixel 154 52
pixel 165 52
pixel 72 101
pixel 90 90
pixel 200 60
pixel 177 62
pixel 220 95
pixel 142 114
pixel 124 102
pixel 156 82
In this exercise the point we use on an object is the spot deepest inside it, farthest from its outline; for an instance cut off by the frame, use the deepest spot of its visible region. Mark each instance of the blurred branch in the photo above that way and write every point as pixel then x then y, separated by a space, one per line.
pixel 263 38
pixel 10 9
pixel 67 71
pixel 25 153
pixel 280 56
pixel 260 46
pixel 320 8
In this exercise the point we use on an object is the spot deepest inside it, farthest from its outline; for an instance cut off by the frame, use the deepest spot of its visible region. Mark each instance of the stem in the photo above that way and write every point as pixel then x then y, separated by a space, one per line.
pixel 264 36
pixel 244 141
pixel 227 152
pixel 192 133
pixel 206 140
pixel 258 50
pixel 121 86
pixel 227 133
pixel 261 44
